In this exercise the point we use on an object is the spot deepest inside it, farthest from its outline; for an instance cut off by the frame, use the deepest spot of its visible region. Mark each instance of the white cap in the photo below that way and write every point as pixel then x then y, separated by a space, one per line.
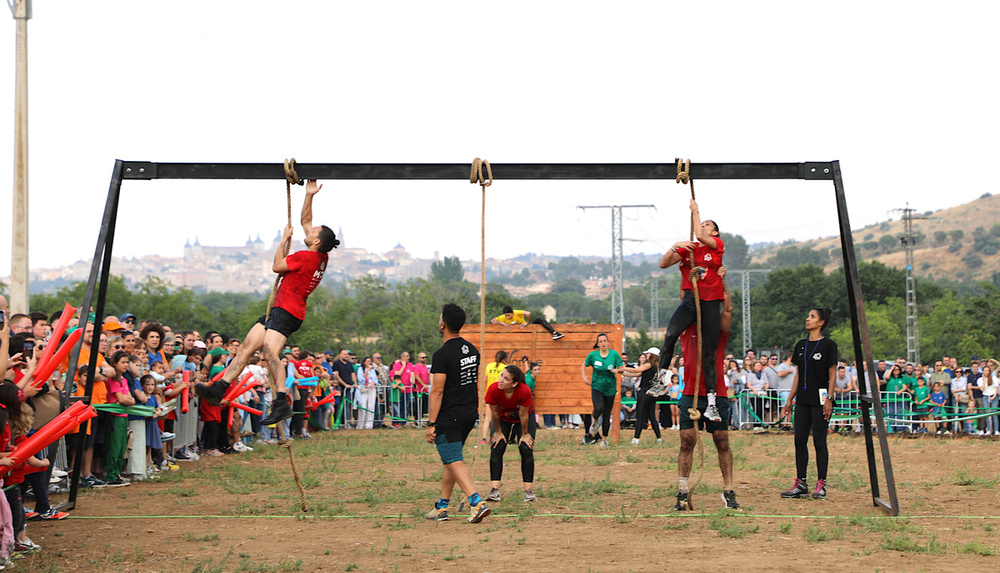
pixel 653 350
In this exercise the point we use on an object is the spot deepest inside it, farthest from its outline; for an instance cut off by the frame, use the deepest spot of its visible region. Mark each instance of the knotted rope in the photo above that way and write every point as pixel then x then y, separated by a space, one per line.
pixel 291 178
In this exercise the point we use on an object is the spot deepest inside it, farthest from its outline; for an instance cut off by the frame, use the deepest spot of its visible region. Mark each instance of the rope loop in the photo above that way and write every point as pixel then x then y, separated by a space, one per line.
pixel 683 171
pixel 476 175
pixel 290 175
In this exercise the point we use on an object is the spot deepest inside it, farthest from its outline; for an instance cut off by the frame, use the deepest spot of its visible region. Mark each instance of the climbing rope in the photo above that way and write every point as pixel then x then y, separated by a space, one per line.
pixel 476 176
pixel 684 177
pixel 291 178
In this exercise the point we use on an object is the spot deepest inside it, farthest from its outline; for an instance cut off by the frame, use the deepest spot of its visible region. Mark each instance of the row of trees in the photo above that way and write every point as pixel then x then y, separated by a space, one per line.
pixel 371 314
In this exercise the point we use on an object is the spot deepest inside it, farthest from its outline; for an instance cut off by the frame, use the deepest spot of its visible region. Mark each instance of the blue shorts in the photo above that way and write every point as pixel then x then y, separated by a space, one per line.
pixel 450 452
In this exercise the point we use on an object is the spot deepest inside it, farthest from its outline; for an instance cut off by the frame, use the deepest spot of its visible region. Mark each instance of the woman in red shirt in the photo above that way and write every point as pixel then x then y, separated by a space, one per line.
pixel 513 408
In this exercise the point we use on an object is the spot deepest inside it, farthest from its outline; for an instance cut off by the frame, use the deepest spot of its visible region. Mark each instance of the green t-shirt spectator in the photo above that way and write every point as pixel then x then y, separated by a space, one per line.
pixel 893 385
pixel 602 379
pixel 529 381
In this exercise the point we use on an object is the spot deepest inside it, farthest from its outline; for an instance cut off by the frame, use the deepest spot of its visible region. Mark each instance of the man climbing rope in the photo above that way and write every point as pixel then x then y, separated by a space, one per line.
pixel 301 273
pixel 717 426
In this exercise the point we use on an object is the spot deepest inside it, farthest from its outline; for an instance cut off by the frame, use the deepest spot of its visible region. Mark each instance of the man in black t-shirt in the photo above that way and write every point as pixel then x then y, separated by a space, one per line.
pixel 454 409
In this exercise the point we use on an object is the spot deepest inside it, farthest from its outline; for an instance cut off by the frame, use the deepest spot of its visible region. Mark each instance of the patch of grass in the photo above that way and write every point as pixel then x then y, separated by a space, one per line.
pixel 963 476
pixel 883 524
pixel 583 489
pixel 351 567
pixel 179 491
pixel 201 538
pixel 400 525
pixel 785 528
pixel 976 548
pixel 820 534
pixel 632 458
pixel 451 555
pixel 599 459
pixel 903 543
pixel 677 527
pixel 727 524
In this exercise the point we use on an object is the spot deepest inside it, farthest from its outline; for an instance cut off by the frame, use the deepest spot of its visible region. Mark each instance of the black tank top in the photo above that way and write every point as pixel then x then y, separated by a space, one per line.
pixel 646 381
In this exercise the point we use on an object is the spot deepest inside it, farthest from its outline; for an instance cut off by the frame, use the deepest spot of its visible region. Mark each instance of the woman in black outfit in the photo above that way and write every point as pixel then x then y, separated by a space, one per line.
pixel 645 410
pixel 813 390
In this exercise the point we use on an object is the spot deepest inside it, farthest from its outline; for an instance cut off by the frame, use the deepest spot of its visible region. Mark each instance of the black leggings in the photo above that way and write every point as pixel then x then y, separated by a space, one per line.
pixel 210 436
pixel 685 316
pixel 810 418
pixel 645 411
pixel 602 409
pixel 512 434
pixel 544 324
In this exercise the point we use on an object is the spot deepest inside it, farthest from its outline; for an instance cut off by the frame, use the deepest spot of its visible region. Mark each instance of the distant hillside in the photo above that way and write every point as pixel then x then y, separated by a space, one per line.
pixel 961 243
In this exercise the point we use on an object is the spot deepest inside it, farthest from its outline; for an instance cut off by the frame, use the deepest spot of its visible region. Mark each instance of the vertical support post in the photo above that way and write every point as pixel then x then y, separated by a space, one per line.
pixel 19 292
pixel 617 261
pixel 863 350
pixel 654 306
pixel 747 331
pixel 99 275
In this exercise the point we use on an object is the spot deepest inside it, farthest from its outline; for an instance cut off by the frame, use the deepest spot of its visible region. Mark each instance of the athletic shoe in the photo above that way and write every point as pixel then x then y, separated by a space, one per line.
pixel 280 410
pixel 557 335
pixel 659 440
pixel 216 391
pixel 604 444
pixel 119 482
pixel 529 495
pixel 595 426
pixel 729 496
pixel 479 512
pixel 28 546
pixel 437 514
pixel 181 456
pixel 659 387
pixel 58 473
pixel 28 515
pixel 635 441
pixel 820 492
pixel 800 489
pixel 712 414
pixel 683 501
pixel 53 515
pixel 92 482
pixel 494 495
pixel 167 436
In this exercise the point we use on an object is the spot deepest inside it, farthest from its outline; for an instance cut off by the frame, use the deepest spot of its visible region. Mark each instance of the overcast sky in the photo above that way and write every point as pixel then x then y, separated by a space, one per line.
pixel 903 94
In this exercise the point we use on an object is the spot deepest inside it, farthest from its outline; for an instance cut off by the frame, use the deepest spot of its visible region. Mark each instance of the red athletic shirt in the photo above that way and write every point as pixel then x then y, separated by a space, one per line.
pixel 305 271
pixel 689 348
pixel 509 408
pixel 710 283
pixel 304 367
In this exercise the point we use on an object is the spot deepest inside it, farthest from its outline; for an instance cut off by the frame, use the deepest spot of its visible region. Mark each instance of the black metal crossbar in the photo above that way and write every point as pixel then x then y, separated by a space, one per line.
pixel 97 284
pixel 501 171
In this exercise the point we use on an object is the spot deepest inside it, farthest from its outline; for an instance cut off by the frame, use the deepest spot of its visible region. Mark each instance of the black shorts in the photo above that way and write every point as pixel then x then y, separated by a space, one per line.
pixel 456 430
pixel 687 423
pixel 281 320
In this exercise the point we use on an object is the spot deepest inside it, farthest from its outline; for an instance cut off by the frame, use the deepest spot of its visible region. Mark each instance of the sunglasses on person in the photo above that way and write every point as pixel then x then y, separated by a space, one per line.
pixel 119 347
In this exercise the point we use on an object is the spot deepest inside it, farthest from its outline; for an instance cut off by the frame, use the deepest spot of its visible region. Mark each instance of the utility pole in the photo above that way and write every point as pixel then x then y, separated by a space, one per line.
pixel 745 287
pixel 907 240
pixel 617 261
pixel 21 10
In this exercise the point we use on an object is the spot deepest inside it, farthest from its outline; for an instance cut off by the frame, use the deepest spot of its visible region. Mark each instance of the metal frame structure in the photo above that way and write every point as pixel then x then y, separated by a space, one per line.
pixel 97 284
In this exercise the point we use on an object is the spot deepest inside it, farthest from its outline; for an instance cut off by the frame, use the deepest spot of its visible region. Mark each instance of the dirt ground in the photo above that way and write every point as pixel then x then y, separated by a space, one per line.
pixel 597 510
